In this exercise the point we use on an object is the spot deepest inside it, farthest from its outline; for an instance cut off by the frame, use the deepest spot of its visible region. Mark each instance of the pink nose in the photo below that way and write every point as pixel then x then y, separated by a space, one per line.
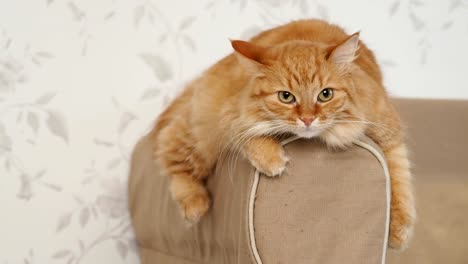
pixel 307 120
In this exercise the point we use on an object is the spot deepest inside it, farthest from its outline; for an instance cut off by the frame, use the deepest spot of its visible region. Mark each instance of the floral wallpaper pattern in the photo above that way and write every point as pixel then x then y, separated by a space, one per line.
pixel 81 81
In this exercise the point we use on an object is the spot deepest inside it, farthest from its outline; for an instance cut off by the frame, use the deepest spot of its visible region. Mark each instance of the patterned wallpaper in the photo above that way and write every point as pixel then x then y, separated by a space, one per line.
pixel 81 81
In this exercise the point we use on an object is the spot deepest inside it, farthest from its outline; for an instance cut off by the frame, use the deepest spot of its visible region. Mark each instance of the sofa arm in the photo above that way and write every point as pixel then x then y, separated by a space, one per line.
pixel 329 207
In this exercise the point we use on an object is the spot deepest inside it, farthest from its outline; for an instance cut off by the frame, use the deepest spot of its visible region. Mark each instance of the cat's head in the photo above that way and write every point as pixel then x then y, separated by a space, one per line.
pixel 303 88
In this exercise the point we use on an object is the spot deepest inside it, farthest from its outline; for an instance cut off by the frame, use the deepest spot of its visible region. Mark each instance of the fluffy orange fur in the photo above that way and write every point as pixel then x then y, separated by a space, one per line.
pixel 274 85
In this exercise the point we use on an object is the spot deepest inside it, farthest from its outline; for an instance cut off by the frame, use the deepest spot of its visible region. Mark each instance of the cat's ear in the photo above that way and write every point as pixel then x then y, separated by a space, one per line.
pixel 345 53
pixel 250 56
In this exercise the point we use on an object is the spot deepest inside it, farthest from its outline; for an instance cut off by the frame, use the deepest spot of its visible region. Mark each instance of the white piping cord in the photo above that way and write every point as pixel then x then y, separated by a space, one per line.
pixel 253 193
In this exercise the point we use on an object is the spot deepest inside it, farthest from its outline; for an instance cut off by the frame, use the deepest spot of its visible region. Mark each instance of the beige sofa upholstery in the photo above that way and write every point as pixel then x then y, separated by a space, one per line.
pixel 330 207
pixel 438 140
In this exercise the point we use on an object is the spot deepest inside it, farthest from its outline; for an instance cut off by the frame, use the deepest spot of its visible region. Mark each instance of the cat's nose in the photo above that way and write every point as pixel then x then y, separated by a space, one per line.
pixel 307 120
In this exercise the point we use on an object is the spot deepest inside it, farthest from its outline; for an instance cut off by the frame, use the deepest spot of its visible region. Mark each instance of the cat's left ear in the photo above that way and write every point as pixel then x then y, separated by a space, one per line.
pixel 250 56
pixel 345 53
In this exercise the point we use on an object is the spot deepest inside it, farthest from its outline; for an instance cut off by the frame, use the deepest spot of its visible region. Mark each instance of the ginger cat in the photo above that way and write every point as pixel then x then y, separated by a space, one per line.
pixel 306 78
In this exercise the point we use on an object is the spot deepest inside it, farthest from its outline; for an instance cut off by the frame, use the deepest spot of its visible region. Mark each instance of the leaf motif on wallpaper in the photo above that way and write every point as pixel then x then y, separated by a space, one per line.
pixel 61 254
pixel 417 3
pixel 150 93
pixel 418 24
pixel 125 120
pixel 52 186
pixel 104 143
pixel 5 141
pixel 138 15
pixel 84 216
pixel 25 191
pixel 111 206
pixel 84 49
pixel 71 260
pixel 454 4
pixel 163 38
pixel 7 43
pixel 394 8
pixel 78 200
pixel 81 245
pixel 63 222
pixel 161 68
pixel 39 174
pixel 125 230
pixel 38 57
pixel 36 61
pixel 6 162
pixel 114 187
pixel 30 257
pixel 122 248
pixel 150 17
pixel 186 23
pixel 44 55
pixel 209 5
pixel 45 98
pixel 116 103
pixel 109 15
pixel 189 42
pixel 19 117
pixel 242 5
pixel 33 121
pixel 87 180
pixel 113 163
pixel 56 124
pixel 78 14
pixel 423 56
pixel 447 25
pixel 94 212
pixel 133 246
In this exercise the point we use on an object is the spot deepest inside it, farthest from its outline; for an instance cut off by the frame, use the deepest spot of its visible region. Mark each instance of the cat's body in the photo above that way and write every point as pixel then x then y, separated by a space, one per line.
pixel 275 84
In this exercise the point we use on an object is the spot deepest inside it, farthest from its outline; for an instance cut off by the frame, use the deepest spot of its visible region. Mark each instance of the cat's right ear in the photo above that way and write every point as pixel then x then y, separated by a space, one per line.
pixel 250 56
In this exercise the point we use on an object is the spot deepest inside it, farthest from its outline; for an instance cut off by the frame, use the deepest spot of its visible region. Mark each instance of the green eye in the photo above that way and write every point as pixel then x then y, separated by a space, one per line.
pixel 286 97
pixel 325 95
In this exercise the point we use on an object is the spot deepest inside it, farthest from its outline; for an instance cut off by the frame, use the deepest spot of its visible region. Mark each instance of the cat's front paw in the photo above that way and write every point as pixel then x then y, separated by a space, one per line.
pixel 401 229
pixel 194 207
pixel 266 155
pixel 270 163
pixel 271 166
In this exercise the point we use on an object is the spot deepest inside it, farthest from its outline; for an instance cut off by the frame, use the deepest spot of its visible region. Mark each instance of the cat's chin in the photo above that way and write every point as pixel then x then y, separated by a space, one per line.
pixel 308 133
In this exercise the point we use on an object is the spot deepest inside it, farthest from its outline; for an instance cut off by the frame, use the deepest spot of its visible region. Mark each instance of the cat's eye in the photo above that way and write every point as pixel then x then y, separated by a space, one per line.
pixel 286 97
pixel 325 95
